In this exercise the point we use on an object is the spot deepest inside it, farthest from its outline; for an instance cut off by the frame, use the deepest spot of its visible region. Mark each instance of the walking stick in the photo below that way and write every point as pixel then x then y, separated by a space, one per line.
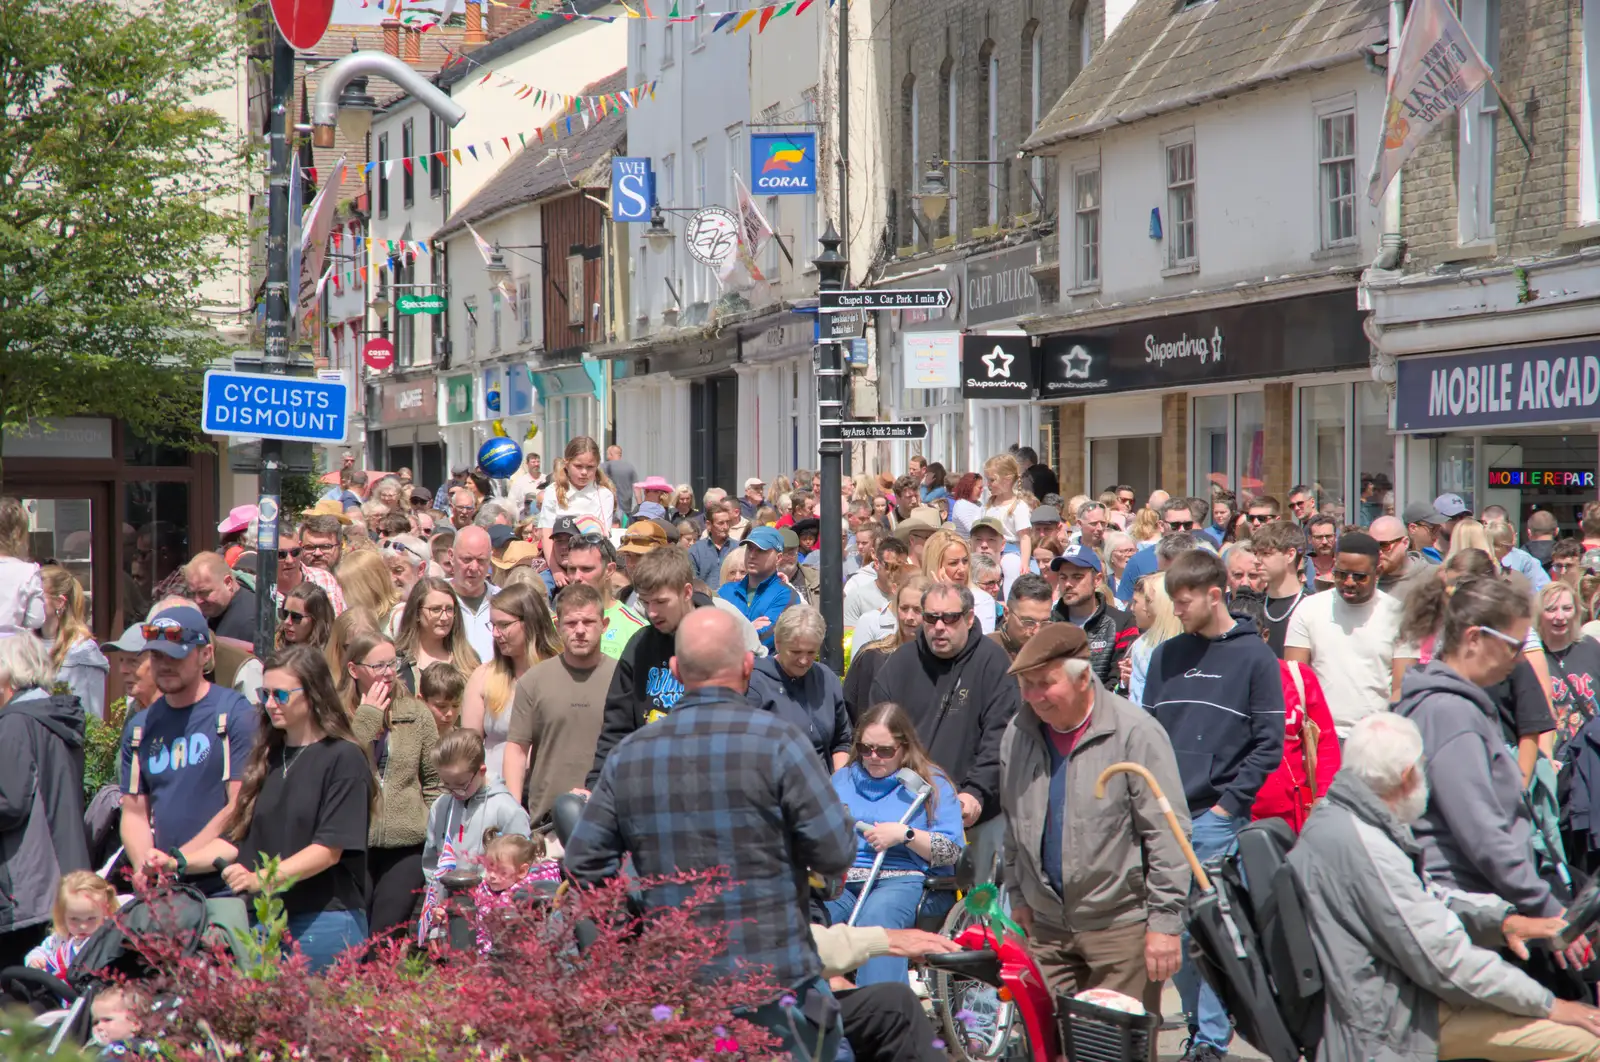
pixel 1166 809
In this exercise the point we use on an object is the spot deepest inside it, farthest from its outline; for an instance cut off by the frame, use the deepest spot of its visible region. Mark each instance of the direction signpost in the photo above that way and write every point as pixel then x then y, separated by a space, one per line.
pixel 921 299
pixel 875 431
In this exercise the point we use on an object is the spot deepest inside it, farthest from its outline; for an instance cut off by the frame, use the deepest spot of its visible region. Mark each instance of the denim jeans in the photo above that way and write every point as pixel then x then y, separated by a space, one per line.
pixel 892 904
pixel 324 935
pixel 1212 835
pixel 797 1034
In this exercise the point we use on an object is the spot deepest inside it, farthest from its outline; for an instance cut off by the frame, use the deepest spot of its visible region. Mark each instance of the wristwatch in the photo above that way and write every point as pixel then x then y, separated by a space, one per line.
pixel 910 834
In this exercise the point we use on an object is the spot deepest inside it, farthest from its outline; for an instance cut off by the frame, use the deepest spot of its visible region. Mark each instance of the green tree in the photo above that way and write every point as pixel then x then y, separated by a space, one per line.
pixel 110 180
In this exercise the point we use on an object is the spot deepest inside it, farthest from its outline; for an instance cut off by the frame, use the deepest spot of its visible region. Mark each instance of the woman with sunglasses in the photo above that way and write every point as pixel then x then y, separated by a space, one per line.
pixel 886 741
pixel 399 734
pixel 947 558
pixel 524 634
pixel 305 618
pixel 1477 834
pixel 306 799
pixel 865 660
pixel 431 631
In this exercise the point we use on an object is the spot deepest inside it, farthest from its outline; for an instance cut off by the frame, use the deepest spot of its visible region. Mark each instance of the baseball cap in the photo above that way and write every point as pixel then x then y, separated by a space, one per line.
pixel 754 481
pixel 564 525
pixel 1045 514
pixel 460 470
pixel 764 538
pixel 422 494
pixel 790 539
pixel 988 523
pixel 1421 513
pixel 1450 506
pixel 519 552
pixel 1078 557
pixel 1055 641
pixel 1591 560
pixel 643 536
pixel 500 535
pixel 132 641
pixel 188 629
pixel 238 519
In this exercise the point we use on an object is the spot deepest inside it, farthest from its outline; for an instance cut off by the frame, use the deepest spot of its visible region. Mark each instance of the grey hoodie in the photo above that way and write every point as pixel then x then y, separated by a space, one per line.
pixel 84 671
pixel 462 824
pixel 1477 834
pixel 41 804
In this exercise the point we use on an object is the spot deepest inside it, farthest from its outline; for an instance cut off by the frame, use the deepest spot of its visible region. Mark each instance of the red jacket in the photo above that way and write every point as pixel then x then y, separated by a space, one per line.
pixel 1286 795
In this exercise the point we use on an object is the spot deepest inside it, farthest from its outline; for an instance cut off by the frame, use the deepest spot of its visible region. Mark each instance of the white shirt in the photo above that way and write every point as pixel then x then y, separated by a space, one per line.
pixel 962 513
pixel 861 595
pixel 1352 650
pixel 480 634
pixel 879 623
pixel 1014 516
pixel 593 500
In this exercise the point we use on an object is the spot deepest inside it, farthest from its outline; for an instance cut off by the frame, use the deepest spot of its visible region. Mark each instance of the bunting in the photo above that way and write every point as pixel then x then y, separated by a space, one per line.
pixel 738 19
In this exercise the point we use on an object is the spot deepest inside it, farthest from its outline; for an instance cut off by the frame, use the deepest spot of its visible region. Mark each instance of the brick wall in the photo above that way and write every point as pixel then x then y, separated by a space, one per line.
pixel 1536 195
pixel 1071 450
pixel 1175 440
pixel 1277 432
pixel 932 41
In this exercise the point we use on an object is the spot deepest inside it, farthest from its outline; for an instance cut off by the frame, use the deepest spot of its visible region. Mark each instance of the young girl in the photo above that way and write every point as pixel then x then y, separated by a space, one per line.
pixel 1002 473
pixel 512 862
pixel 21 593
pixel 84 900
pixel 115 1011
pixel 580 487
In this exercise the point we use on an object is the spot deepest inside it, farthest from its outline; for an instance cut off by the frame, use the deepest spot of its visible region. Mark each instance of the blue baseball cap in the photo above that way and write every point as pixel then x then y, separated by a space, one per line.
pixel 189 625
pixel 764 538
pixel 1078 557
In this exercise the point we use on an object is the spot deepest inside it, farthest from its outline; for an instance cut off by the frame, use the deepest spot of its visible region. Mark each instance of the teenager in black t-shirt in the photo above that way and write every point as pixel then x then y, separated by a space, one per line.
pixel 1280 546
pixel 306 799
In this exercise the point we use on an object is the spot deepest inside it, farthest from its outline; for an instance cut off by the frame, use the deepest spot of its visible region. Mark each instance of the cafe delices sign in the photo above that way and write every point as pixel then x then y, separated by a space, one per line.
pixel 1315 333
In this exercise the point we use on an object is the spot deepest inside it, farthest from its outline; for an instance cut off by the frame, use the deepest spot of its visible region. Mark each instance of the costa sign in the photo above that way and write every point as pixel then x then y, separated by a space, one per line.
pixel 378 353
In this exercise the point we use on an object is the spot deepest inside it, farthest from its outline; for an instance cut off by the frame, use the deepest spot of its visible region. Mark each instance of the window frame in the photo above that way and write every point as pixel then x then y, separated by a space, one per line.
pixel 525 310
pixel 408 179
pixel 1477 131
pixel 383 174
pixel 1176 262
pixel 435 171
pixel 1323 111
pixel 1081 280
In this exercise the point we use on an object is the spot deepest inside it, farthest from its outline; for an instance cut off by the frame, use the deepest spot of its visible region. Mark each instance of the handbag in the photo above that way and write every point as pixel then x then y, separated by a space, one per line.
pixel 1310 732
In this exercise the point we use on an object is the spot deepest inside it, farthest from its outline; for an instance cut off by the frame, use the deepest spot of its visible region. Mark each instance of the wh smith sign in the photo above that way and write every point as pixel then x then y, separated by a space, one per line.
pixel 783 163
pixel 275 407
pixel 633 189
pixel 1528 385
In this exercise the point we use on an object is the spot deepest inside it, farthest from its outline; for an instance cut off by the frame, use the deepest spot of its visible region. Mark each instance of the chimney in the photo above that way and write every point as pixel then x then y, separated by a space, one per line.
pixel 411 41
pixel 475 34
pixel 391 38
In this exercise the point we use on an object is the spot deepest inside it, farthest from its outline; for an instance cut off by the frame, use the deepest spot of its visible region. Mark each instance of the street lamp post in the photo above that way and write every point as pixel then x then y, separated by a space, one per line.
pixel 830 401
pixel 349 72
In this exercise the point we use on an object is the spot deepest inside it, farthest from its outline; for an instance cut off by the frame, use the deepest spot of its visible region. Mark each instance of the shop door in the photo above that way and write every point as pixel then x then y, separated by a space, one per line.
pixel 714 434
pixel 429 470
pixel 71 527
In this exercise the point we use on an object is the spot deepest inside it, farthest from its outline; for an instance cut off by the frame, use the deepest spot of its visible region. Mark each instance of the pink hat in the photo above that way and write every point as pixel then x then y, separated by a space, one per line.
pixel 238 519
pixel 656 483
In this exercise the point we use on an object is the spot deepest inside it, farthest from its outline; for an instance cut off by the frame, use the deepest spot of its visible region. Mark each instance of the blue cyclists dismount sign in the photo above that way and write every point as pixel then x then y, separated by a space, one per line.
pixel 783 163
pixel 275 407
pixel 632 189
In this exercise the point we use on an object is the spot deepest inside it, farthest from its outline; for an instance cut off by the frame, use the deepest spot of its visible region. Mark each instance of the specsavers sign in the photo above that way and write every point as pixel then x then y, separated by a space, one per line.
pixel 1499 388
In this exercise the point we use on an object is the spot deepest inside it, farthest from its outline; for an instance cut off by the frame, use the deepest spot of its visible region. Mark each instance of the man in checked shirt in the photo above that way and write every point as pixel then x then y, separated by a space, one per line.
pixel 718 783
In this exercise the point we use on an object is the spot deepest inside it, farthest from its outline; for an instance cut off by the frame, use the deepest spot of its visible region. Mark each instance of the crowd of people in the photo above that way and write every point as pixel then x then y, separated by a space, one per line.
pixel 449 662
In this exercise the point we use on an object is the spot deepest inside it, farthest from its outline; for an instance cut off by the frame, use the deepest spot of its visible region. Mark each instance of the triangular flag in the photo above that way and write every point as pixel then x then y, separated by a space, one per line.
pixel 311 172
pixel 368 167
pixel 362 272
pixel 743 20
pixel 388 169
pixel 407 163
pixel 803 5
pixel 631 12
pixel 646 5
pixel 422 160
pixel 457 153
pixel 486 78
pixel 522 138
pixel 674 12
pixel 443 159
pixel 506 141
pixel 724 20
pixel 472 151
pixel 784 10
pixel 484 247
pixel 766 16
pixel 488 145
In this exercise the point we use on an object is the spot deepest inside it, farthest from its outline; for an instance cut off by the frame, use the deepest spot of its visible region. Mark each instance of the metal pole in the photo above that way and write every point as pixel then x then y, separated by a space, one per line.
pixel 831 267
pixel 275 356
pixel 844 131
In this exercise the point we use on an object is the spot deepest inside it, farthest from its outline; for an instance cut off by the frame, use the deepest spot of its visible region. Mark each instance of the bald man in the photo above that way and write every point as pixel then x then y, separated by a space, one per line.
pixel 469 563
pixel 1399 571
pixel 229 609
pixel 748 794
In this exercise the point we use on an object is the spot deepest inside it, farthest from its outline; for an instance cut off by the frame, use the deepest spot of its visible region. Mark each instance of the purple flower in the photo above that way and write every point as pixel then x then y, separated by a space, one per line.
pixel 720 1031
pixel 967 1018
pixel 938 1045
pixel 786 1001
pixel 610 1030
pixel 661 1012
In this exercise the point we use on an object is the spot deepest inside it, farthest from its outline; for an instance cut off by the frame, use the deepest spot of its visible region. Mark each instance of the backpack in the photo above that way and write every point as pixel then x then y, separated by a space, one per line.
pixel 1275 907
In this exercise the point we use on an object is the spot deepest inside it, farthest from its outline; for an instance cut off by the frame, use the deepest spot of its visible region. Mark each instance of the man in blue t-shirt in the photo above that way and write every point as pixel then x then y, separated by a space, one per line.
pixel 183 758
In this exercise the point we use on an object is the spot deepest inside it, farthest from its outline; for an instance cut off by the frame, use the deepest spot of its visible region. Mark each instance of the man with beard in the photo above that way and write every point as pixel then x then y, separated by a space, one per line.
pixel 1399 570
pixel 1407 965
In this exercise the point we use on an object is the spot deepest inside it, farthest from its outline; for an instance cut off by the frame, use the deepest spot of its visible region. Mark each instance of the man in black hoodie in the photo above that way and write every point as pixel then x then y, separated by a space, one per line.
pixel 952 681
pixel 41 794
pixel 1217 690
pixel 1111 631
pixel 643 688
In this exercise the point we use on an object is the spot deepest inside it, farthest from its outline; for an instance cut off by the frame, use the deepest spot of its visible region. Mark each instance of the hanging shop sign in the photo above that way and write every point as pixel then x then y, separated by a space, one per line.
pixel 783 163
pixel 1317 333
pixel 712 236
pixel 410 402
pixel 1000 286
pixel 458 399
pixel 1556 383
pixel 633 182
pixel 932 359
pixel 1540 479
pixel 407 303
pixel 997 366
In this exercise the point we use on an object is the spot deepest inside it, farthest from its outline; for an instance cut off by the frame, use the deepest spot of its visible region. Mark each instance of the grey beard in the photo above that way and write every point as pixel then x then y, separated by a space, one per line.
pixel 1410 807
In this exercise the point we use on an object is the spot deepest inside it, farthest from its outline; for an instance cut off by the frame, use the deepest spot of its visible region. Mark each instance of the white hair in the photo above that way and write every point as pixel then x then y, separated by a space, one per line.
pixel 1076 667
pixel 1381 748
pixel 24 663
pixel 799 621
pixel 412 549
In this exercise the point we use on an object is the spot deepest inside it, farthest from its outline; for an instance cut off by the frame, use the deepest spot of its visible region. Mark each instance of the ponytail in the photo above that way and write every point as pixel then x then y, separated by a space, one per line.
pixel 1424 614
pixel 1480 602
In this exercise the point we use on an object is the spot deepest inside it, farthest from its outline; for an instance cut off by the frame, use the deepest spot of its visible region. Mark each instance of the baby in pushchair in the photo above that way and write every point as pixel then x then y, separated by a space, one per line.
pixel 84 901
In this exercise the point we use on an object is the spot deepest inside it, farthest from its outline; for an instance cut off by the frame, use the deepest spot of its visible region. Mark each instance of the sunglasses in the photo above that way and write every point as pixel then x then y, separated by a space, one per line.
pixel 400 547
pixel 949 619
pixel 1387 543
pixel 589 540
pixel 1341 574
pixel 291 552
pixel 278 697
pixel 288 616
pixel 1180 525
pixel 1259 518
pixel 154 632
pixel 878 752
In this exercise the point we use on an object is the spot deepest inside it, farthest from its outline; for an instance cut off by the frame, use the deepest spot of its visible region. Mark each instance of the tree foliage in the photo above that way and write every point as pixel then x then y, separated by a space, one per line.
pixel 114 187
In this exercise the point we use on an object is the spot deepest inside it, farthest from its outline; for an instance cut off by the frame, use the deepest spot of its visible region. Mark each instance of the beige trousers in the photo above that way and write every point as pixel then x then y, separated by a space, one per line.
pixel 1494 1035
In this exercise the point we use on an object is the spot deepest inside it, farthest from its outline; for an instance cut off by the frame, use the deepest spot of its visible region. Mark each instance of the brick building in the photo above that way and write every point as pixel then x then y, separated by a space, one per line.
pixel 1484 312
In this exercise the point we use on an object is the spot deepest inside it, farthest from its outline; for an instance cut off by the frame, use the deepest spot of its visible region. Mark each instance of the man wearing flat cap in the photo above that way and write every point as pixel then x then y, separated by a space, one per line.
pixel 1099 884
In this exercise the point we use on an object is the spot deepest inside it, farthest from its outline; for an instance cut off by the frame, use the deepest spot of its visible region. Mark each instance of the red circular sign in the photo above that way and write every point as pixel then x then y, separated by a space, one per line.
pixel 303 22
pixel 378 353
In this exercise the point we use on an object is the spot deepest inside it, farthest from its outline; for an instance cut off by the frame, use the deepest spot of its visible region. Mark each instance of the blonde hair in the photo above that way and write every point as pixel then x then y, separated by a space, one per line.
pixel 1547 594
pixel 538 627
pixel 347 626
pixel 74 626
pixel 1004 466
pixel 911 579
pixel 577 447
pixel 514 849
pixel 409 642
pixel 365 580
pixel 1146 526
pixel 13 529
pixel 732 565
pixel 1469 534
pixel 1164 621
pixel 81 883
pixel 939 543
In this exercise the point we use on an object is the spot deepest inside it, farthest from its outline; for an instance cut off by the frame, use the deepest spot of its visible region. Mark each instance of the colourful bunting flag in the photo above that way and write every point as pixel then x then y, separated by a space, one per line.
pixel 766 16
pixel 724 20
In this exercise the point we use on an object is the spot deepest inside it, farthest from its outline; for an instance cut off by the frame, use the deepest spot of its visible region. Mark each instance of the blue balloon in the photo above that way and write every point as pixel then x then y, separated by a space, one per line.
pixel 499 457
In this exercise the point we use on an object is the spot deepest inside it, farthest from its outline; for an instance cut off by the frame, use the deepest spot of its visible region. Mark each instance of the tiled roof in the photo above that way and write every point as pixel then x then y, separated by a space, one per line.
pixel 1166 54
pixel 533 172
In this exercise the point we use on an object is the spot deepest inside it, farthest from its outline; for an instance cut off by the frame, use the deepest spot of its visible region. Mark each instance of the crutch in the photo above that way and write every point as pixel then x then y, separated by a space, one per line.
pixel 919 788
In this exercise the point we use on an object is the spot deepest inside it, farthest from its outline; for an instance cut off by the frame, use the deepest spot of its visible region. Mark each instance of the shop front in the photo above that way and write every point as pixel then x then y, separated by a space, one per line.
pixel 570 399
pixel 1000 289
pixel 1512 426
pixel 117 511
pixel 777 396
pixel 407 434
pixel 924 380
pixel 459 415
pixel 1250 398
pixel 677 413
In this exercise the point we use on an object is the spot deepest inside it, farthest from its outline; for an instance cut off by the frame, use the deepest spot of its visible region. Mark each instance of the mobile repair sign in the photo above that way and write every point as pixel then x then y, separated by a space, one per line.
pixel 1558 383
